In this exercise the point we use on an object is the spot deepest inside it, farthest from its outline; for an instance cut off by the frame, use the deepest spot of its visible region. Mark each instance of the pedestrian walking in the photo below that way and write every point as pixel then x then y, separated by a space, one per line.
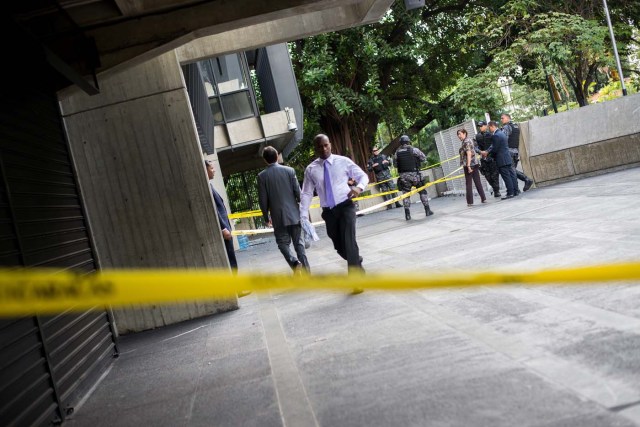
pixel 380 165
pixel 408 160
pixel 279 198
pixel 328 175
pixel 488 167
pixel 499 150
pixel 512 131
pixel 470 166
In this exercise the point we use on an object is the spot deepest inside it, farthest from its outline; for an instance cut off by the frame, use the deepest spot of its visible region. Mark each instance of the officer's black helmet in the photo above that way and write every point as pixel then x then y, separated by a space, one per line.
pixel 404 139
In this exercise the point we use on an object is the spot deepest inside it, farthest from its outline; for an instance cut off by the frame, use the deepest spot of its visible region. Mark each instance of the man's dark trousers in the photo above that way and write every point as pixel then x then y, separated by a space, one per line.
pixel 341 229
pixel 231 253
pixel 284 236
pixel 509 177
pixel 515 159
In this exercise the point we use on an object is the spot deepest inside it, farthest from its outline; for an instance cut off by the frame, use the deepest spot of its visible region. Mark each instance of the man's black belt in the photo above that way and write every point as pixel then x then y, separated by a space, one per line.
pixel 340 205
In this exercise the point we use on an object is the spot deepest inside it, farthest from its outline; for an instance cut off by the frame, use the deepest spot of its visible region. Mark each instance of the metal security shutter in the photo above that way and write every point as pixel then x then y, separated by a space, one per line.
pixel 46 363
pixel 27 395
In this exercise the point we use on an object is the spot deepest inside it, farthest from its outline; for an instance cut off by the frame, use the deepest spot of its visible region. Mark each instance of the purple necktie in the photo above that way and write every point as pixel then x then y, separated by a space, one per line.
pixel 328 191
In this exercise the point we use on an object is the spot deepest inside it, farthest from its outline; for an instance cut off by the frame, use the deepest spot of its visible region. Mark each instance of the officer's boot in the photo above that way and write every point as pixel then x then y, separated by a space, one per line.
pixel 407 214
pixel 428 211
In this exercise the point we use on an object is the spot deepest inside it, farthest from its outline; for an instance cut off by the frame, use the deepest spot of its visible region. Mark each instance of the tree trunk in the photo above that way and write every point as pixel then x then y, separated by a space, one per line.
pixel 346 141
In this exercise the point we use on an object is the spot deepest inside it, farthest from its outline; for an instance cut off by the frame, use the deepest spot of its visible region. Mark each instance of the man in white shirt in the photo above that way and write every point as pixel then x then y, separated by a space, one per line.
pixel 328 175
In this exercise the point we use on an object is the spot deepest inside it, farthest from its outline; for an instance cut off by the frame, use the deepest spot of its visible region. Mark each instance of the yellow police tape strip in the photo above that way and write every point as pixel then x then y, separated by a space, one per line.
pixel 245 214
pixel 254 213
pixel 438 164
pixel 366 210
pixel 40 291
pixel 412 192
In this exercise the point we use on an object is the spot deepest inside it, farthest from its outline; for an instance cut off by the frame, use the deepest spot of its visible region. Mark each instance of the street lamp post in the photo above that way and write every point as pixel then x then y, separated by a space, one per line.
pixel 615 48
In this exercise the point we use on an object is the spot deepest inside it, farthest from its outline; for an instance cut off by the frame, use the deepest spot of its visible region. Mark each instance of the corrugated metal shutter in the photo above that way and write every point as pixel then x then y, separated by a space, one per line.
pixel 27 396
pixel 46 363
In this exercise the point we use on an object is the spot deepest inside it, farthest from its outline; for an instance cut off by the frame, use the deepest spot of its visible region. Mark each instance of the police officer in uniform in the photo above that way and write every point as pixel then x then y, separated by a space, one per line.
pixel 512 130
pixel 488 167
pixel 379 164
pixel 408 160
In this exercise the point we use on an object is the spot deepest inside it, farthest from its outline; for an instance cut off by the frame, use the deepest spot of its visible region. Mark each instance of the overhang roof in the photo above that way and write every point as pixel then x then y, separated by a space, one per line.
pixel 91 37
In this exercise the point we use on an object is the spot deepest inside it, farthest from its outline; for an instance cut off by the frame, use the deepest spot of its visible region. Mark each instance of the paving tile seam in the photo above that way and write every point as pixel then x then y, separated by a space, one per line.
pixel 189 415
pixel 598 315
pixel 293 400
pixel 577 379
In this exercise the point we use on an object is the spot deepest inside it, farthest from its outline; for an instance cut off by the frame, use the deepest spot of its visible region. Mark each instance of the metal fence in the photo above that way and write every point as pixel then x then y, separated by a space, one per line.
pixel 448 145
pixel 242 191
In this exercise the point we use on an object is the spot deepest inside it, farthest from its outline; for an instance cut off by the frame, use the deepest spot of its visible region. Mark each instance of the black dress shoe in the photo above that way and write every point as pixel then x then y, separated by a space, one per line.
pixel 509 196
pixel 497 194
pixel 527 185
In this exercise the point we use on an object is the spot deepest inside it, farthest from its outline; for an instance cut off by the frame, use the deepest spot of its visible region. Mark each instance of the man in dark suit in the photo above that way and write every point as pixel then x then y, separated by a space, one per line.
pixel 499 150
pixel 279 196
pixel 223 218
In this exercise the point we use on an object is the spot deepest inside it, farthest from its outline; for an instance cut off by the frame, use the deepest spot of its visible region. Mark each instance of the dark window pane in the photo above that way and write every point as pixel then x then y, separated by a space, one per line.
pixel 214 103
pixel 237 106
pixel 207 76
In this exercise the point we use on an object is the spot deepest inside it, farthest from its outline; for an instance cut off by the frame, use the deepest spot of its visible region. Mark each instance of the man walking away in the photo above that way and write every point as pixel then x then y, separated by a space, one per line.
pixel 512 131
pixel 499 150
pixel 328 176
pixel 379 164
pixel 408 160
pixel 279 195
pixel 488 167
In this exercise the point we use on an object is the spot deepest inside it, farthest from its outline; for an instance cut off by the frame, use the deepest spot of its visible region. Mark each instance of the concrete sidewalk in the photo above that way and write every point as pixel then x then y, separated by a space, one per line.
pixel 509 356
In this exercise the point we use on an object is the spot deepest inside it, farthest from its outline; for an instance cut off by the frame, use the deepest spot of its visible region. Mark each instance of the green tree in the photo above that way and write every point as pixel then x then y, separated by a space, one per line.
pixel 400 71
pixel 571 37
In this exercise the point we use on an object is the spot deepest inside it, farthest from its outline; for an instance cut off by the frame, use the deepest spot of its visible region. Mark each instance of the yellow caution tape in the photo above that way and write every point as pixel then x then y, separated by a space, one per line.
pixel 255 213
pixel 41 291
pixel 423 169
pixel 439 163
pixel 412 192
pixel 245 214
pixel 366 210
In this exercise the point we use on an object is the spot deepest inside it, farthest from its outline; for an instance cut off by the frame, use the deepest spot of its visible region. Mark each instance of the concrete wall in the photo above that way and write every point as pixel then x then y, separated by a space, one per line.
pixel 142 177
pixel 583 142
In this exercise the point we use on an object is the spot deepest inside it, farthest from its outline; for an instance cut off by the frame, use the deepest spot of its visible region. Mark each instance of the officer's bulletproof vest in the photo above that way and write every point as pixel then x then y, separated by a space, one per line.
pixel 483 139
pixel 406 160
pixel 378 160
pixel 514 137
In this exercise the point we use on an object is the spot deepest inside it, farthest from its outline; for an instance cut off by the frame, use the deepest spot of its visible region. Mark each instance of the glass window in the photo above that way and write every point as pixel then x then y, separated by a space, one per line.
pixel 237 105
pixel 227 86
pixel 214 103
pixel 228 73
pixel 207 75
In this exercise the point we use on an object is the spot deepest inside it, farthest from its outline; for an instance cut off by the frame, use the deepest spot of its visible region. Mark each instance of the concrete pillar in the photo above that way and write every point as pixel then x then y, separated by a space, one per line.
pixel 142 177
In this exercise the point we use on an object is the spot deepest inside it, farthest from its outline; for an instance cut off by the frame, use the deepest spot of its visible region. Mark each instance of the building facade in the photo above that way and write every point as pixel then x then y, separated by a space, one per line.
pixel 101 163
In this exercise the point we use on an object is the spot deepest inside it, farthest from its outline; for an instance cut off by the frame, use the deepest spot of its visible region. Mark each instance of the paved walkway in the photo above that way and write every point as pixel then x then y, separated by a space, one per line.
pixel 514 356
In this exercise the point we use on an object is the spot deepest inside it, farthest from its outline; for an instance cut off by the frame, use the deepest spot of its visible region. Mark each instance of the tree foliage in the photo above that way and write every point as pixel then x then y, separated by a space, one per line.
pixel 400 71
pixel 528 36
pixel 444 62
